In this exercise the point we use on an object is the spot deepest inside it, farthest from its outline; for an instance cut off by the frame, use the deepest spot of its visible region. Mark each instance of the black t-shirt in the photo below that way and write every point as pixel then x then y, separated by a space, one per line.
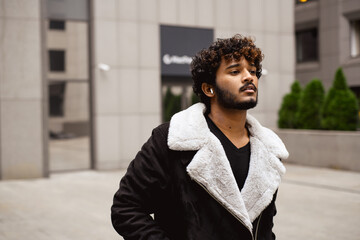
pixel 239 158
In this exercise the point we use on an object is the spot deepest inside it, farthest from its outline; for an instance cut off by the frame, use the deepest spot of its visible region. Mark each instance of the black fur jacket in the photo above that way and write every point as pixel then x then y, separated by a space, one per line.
pixel 180 186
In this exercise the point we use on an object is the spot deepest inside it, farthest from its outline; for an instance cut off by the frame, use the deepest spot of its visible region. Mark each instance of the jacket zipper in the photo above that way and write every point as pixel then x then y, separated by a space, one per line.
pixel 257 227
pixel 252 235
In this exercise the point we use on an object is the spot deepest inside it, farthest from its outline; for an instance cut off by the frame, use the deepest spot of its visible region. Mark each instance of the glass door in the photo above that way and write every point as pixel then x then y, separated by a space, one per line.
pixel 68 80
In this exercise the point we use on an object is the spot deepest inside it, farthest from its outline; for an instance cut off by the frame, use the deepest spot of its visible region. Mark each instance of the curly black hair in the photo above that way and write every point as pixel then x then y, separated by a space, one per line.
pixel 206 62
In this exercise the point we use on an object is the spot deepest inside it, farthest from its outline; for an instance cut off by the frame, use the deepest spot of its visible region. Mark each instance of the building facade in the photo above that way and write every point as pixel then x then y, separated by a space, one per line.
pixel 328 37
pixel 83 82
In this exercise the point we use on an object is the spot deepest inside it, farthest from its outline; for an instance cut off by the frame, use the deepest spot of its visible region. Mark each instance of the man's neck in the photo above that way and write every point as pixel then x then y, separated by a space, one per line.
pixel 232 123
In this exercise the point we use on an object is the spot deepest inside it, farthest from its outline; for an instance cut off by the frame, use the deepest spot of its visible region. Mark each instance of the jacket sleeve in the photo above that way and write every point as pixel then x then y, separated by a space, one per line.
pixel 144 181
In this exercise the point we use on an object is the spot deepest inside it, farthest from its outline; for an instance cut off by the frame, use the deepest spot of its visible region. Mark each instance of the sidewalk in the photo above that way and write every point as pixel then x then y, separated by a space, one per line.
pixel 318 204
pixel 313 203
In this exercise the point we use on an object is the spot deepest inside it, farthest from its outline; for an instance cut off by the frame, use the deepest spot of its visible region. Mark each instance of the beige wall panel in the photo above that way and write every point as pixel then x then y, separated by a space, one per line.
pixel 240 15
pixel 286 80
pixel 128 44
pixel 271 52
pixel 107 90
pixel 286 16
pixel 128 9
pixel 148 10
pixel 223 33
pixel 204 15
pixel 222 14
pixel 260 39
pixel 20 54
pixel 149 91
pixel 128 91
pixel 105 9
pixel 108 140
pixel 256 15
pixel 21 117
pixel 187 12
pixel 147 123
pixel 129 133
pixel 149 45
pixel 272 16
pixel 270 96
pixel 168 11
pixel 274 92
pixel 21 133
pixel 106 42
pixel 286 53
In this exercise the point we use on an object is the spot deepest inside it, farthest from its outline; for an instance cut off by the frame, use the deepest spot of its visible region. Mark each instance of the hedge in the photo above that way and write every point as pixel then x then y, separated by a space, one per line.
pixel 340 109
pixel 289 107
pixel 310 104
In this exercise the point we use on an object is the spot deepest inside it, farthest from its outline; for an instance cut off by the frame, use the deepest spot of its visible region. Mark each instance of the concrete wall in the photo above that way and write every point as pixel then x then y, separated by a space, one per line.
pixel 126 37
pixel 332 149
pixel 21 96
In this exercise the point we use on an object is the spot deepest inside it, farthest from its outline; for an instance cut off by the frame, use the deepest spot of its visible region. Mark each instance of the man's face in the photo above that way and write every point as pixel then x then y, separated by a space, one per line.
pixel 236 85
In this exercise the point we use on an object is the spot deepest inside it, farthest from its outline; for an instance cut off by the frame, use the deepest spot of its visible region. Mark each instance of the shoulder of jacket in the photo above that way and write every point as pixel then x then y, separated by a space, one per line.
pixel 162 129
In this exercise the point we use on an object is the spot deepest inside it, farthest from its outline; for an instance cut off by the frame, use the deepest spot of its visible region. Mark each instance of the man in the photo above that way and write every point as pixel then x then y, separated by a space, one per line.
pixel 213 171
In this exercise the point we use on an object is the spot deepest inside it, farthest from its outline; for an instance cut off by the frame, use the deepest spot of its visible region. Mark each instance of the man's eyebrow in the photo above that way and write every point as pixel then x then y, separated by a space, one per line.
pixel 233 65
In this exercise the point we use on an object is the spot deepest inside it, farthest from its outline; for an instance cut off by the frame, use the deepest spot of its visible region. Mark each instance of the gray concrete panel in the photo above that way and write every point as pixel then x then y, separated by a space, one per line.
pixel 307 13
pixel 332 149
pixel 350 6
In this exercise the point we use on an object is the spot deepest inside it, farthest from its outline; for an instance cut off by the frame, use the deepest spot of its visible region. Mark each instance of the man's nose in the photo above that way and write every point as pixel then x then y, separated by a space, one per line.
pixel 247 77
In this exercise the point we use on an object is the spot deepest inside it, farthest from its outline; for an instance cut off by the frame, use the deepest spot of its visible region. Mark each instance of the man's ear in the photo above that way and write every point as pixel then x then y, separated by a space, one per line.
pixel 208 89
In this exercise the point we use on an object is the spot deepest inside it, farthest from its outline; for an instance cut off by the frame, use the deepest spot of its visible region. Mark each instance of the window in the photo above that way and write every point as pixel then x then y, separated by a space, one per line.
pixel 307 45
pixel 355 38
pixel 57 60
pixel 57 24
pixel 56 99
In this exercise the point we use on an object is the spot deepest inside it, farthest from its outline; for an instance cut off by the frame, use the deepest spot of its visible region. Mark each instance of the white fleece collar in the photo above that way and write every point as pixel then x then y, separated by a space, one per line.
pixel 211 168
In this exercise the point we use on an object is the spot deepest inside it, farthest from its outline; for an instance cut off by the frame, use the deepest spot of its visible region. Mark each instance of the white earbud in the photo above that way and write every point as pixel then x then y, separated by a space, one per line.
pixel 212 92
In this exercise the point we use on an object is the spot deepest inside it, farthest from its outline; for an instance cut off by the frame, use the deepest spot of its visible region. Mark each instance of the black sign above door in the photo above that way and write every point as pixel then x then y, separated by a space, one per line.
pixel 179 45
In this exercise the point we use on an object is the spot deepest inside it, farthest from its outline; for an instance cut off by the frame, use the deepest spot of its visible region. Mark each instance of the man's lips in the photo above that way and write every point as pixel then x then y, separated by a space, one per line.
pixel 248 87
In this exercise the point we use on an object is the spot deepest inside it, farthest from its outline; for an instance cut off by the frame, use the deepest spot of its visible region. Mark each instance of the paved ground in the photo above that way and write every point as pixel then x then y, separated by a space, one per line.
pixel 313 203
pixel 318 204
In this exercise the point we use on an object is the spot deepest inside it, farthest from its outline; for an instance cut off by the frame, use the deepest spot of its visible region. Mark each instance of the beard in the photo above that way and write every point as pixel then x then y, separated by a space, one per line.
pixel 228 100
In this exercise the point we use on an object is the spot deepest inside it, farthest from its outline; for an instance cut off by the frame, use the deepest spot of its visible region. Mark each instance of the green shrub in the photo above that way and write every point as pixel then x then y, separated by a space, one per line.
pixel 340 110
pixel 172 104
pixel 310 104
pixel 289 107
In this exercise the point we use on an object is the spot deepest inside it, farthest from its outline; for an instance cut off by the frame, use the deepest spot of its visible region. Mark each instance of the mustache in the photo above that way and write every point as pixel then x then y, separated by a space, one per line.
pixel 247 85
